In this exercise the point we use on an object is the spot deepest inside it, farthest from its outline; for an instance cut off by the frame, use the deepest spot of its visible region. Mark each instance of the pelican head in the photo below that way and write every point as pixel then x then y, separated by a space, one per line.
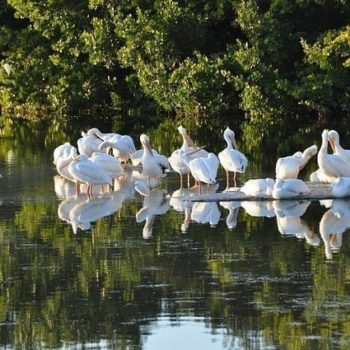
pixel 182 130
pixel 144 139
pixel 333 138
pixel 230 135
pixel 310 151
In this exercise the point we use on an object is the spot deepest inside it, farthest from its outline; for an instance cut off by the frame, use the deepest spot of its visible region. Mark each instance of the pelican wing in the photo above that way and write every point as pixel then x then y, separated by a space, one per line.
pixel 233 160
pixel 288 167
pixel 89 172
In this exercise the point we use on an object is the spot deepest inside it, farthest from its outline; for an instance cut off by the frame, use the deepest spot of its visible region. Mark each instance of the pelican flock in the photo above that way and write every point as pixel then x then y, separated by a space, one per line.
pixel 108 166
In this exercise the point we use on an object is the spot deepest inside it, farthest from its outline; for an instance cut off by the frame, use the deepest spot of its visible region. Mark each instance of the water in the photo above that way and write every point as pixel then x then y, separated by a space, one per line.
pixel 122 271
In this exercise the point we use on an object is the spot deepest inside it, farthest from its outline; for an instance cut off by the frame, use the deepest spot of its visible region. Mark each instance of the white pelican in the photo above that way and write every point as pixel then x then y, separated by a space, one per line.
pixel 230 158
pixel 137 156
pixel 204 169
pixel 233 211
pixel 331 164
pixel 123 146
pixel 333 138
pixel 188 146
pixel 340 188
pixel 258 187
pixel 62 164
pixel 109 163
pixel 289 188
pixel 179 164
pixel 62 151
pixel 289 167
pixel 84 170
pixel 103 136
pixel 88 144
pixel 319 176
pixel 152 166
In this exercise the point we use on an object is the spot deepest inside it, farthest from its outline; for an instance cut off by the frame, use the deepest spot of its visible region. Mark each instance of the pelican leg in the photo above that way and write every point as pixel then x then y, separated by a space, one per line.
pixel 234 179
pixel 77 188
pixel 227 180
pixel 181 181
pixel 89 191
pixel 188 180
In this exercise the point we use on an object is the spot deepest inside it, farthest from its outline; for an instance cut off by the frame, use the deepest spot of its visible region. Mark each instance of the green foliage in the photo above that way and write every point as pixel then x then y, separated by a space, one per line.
pixel 263 62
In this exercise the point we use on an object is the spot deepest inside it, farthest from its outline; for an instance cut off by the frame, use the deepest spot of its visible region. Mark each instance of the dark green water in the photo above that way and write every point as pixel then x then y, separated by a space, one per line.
pixel 201 276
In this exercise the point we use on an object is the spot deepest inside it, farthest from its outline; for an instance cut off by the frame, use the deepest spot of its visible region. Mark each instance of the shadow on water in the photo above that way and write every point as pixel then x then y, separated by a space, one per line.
pixel 121 270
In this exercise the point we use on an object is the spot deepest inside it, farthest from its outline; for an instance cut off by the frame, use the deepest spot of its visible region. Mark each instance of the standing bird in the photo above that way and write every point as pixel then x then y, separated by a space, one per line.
pixel 332 165
pixel 62 151
pixel 84 170
pixel 109 163
pixel 230 158
pixel 179 164
pixel 153 166
pixel 178 159
pixel 88 144
pixel 204 169
pixel 123 146
pixel 289 167
pixel 62 164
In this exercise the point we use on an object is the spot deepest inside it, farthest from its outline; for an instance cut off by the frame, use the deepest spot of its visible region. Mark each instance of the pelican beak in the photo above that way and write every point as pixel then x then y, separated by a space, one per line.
pixel 98 137
pixel 189 140
pixel 195 151
pixel 234 143
pixel 149 148
pixel 332 145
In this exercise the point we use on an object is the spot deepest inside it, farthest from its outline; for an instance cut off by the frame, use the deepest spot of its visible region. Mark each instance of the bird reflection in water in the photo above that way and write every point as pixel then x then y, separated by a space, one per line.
pixel 289 223
pixel 233 211
pixel 259 208
pixel 80 210
pixel 179 201
pixel 181 205
pixel 333 224
pixel 156 203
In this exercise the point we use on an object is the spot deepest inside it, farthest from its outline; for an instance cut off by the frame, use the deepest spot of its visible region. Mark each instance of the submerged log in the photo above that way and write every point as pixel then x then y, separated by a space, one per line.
pixel 319 191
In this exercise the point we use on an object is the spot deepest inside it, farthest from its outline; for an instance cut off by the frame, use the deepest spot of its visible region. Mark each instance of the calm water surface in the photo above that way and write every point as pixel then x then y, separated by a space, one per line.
pixel 127 272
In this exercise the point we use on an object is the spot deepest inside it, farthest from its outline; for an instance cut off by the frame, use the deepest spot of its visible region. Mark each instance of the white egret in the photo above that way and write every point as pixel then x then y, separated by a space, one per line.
pixel 289 167
pixel 230 158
